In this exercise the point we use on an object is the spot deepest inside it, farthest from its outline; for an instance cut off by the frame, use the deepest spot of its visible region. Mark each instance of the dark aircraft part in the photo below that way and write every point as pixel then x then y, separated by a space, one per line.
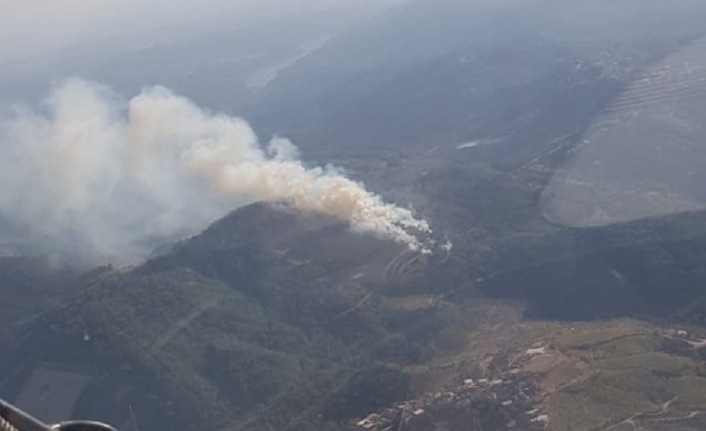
pixel 82 426
pixel 14 419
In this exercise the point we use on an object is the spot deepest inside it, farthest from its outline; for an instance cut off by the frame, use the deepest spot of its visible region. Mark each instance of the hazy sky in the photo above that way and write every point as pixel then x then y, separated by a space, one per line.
pixel 28 27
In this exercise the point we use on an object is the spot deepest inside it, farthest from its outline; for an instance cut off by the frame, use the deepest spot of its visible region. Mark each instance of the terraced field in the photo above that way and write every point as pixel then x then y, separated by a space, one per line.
pixel 616 375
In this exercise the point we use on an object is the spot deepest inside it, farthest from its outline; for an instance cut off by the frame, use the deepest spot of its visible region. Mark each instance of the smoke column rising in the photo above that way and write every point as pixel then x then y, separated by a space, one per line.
pixel 92 176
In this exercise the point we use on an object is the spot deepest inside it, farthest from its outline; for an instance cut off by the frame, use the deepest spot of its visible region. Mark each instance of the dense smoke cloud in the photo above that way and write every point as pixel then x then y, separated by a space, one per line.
pixel 103 178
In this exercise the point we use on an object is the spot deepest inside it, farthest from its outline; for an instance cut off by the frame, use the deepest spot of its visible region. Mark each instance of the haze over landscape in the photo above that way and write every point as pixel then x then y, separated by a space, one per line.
pixel 401 215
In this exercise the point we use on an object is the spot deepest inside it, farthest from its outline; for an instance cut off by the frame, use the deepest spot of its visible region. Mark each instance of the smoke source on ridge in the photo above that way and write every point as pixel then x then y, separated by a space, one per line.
pixel 91 176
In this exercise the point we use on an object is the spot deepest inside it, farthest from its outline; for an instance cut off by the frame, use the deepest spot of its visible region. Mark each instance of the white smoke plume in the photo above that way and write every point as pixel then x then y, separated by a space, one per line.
pixel 92 174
